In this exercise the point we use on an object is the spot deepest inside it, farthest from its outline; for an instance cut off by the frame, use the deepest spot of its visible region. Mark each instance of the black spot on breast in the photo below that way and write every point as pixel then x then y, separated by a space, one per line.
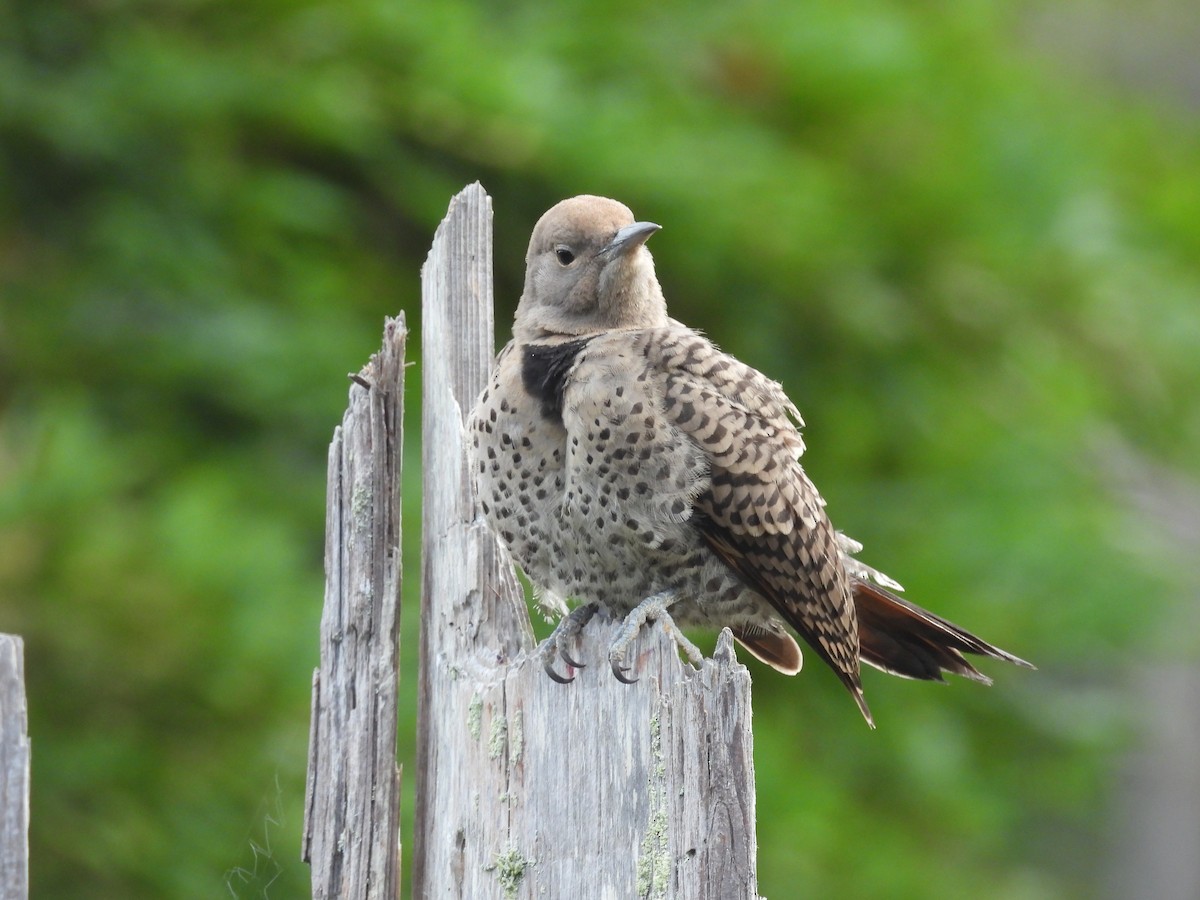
pixel 544 370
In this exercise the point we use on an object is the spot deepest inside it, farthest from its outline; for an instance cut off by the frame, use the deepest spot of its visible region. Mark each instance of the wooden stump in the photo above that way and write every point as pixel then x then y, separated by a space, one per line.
pixel 14 771
pixel 527 787
pixel 352 802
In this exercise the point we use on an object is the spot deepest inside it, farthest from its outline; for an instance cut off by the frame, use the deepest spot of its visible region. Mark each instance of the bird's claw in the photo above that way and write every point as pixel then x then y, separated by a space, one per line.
pixel 567 630
pixel 652 609
pixel 616 660
pixel 548 667
pixel 569 660
pixel 619 671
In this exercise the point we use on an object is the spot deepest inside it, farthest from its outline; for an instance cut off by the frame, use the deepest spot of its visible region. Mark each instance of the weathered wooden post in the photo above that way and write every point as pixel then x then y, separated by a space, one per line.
pixel 352 802
pixel 526 787
pixel 14 771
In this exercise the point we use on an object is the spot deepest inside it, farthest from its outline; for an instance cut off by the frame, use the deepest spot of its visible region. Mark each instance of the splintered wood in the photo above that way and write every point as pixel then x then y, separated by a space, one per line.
pixel 352 802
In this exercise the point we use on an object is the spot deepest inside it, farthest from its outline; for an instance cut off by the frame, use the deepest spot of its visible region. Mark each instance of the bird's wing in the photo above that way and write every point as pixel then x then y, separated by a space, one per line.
pixel 760 513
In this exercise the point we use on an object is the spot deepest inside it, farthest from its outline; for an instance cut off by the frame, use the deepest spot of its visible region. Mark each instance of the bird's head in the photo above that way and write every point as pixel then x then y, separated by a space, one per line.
pixel 588 270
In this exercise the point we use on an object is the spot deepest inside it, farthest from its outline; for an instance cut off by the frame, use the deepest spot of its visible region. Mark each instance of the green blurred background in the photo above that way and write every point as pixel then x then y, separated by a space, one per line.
pixel 965 235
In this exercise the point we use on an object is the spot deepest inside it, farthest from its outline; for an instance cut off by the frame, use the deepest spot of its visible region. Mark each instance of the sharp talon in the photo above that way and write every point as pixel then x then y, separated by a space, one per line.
pixel 570 662
pixel 619 672
pixel 652 609
pixel 567 630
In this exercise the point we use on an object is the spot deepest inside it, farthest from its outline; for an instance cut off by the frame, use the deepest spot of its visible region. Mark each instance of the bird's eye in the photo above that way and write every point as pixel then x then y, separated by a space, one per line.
pixel 565 256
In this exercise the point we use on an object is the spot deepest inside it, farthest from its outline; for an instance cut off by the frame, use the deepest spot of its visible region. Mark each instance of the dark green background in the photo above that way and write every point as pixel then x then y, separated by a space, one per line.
pixel 964 235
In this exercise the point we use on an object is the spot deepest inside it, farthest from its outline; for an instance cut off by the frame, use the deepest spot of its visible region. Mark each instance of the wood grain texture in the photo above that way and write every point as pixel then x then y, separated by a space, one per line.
pixel 14 771
pixel 526 787
pixel 352 804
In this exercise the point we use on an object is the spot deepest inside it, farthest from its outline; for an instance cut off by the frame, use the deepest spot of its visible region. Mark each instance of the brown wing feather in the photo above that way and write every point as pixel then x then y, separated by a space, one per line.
pixel 760 513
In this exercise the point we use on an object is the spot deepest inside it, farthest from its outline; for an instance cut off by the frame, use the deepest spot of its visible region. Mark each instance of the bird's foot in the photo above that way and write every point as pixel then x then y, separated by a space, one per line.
pixel 564 634
pixel 652 609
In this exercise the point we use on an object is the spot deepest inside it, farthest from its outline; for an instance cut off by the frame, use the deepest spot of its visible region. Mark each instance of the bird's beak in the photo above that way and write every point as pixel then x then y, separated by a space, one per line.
pixel 631 237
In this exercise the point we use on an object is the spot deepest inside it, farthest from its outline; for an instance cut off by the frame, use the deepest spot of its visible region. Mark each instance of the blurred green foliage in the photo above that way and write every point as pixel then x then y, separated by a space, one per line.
pixel 975 273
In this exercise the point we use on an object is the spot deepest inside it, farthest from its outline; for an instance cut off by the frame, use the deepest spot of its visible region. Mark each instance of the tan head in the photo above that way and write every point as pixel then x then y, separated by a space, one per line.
pixel 588 270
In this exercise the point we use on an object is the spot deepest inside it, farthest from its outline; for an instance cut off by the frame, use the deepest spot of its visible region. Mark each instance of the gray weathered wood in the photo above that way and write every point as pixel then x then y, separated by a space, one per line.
pixel 352 802
pixel 14 771
pixel 526 787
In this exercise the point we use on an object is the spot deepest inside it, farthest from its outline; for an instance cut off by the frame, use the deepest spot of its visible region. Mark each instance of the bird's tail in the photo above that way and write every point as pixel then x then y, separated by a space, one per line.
pixel 901 638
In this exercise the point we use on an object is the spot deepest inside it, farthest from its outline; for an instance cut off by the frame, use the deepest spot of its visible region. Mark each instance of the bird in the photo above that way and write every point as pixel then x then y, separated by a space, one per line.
pixel 629 465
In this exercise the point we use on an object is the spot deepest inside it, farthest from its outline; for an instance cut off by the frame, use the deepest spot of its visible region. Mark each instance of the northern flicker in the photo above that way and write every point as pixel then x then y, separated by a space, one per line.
pixel 630 465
